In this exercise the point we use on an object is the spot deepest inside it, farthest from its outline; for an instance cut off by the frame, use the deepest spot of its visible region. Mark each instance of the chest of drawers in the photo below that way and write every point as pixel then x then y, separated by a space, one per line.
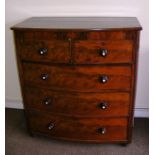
pixel 78 76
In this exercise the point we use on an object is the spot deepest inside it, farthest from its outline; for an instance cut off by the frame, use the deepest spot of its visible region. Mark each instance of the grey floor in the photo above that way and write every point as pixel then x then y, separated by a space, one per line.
pixel 18 141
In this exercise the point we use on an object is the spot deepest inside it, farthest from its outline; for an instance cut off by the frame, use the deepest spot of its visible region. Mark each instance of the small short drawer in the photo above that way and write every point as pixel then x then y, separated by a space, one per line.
pixel 45 51
pixel 78 104
pixel 101 52
pixel 75 35
pixel 77 78
pixel 82 129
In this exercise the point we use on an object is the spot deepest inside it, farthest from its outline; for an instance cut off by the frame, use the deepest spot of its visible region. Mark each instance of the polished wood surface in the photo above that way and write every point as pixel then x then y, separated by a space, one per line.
pixel 56 51
pixel 79 128
pixel 36 35
pixel 78 76
pixel 98 23
pixel 89 52
pixel 84 52
pixel 79 104
pixel 87 78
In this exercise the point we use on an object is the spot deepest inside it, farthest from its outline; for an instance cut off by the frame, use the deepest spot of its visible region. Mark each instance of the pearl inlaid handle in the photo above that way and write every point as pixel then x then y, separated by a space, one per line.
pixel 42 51
pixel 104 79
pixel 44 76
pixel 103 52
pixel 47 101
pixel 50 126
pixel 103 105
pixel 102 130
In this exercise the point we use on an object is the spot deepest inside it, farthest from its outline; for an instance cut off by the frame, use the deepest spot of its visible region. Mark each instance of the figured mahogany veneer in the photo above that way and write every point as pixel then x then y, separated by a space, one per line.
pixel 78 104
pixel 89 52
pixel 45 51
pixel 82 129
pixel 78 76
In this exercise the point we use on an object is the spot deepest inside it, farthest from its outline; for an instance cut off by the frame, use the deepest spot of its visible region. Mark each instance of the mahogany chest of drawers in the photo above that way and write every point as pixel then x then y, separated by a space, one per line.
pixel 78 76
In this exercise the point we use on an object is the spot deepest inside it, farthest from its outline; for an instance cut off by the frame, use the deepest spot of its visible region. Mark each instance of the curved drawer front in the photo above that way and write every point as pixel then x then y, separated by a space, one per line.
pixel 100 52
pixel 77 35
pixel 80 104
pixel 82 129
pixel 76 78
pixel 45 51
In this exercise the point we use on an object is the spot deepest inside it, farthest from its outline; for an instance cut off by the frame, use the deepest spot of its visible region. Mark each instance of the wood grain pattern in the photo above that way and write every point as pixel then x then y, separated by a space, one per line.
pixel 134 84
pixel 89 52
pixel 82 23
pixel 57 51
pixel 86 79
pixel 69 77
pixel 79 129
pixel 79 104
pixel 34 34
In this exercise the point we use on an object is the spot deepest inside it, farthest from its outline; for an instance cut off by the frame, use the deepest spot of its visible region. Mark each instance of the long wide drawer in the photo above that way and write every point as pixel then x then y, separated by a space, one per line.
pixel 78 104
pixel 100 52
pixel 78 78
pixel 82 129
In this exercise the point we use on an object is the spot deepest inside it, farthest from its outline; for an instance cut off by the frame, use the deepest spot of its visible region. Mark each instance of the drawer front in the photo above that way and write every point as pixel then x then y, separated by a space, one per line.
pixel 83 129
pixel 76 78
pixel 45 51
pixel 76 35
pixel 100 52
pixel 81 104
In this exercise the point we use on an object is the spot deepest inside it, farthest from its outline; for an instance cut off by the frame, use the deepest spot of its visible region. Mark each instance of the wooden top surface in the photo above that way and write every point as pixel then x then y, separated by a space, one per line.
pixel 92 23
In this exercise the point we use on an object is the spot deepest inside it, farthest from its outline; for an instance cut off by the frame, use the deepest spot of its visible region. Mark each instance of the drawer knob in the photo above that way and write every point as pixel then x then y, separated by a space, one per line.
pixel 47 101
pixel 102 130
pixel 42 51
pixel 44 76
pixel 104 79
pixel 103 105
pixel 50 126
pixel 103 52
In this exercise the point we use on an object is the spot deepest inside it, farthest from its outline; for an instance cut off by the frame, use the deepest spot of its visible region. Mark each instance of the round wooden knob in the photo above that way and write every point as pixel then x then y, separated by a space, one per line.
pixel 103 105
pixel 104 79
pixel 42 51
pixel 50 126
pixel 102 130
pixel 103 52
pixel 44 76
pixel 47 101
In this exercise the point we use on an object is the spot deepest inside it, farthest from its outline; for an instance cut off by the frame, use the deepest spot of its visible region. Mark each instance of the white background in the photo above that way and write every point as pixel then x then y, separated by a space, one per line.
pixel 18 10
